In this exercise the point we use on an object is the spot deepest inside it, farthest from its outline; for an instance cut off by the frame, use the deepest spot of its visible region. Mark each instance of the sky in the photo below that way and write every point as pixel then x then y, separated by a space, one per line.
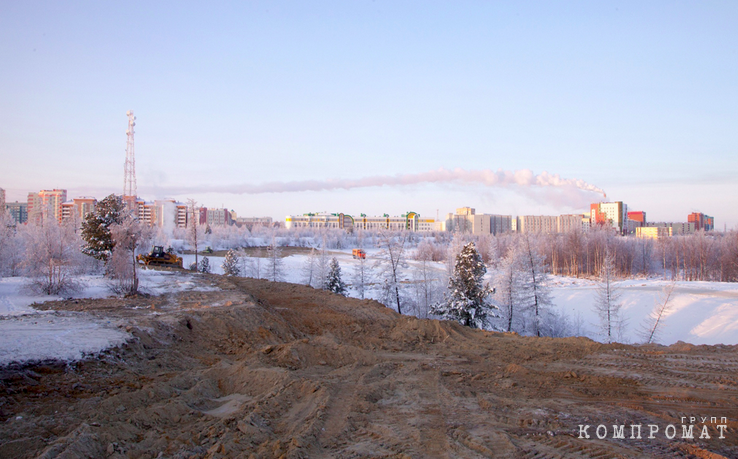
pixel 232 99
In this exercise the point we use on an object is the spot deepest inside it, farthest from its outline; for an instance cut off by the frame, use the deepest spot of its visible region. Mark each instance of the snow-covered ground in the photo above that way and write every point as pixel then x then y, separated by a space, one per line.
pixel 701 312
pixel 27 334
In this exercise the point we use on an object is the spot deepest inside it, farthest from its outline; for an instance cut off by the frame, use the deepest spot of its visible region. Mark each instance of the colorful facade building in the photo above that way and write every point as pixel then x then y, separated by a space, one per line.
pixel 610 214
pixel 701 221
pixel 77 209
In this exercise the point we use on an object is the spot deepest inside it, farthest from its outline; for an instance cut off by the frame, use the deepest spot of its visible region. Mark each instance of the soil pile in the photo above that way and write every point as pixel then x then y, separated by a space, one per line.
pixel 261 369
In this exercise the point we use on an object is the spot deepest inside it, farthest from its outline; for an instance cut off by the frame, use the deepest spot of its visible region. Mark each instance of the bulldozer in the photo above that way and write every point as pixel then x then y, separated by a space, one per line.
pixel 158 257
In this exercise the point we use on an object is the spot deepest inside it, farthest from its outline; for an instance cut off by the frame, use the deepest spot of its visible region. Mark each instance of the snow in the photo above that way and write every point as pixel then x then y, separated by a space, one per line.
pixel 27 334
pixel 701 312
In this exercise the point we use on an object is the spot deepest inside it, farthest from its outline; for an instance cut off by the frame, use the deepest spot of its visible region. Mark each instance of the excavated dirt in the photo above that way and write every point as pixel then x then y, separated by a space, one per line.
pixel 261 369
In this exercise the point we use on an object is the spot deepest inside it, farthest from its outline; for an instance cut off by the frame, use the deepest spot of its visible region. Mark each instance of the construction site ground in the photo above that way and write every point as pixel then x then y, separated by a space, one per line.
pixel 263 369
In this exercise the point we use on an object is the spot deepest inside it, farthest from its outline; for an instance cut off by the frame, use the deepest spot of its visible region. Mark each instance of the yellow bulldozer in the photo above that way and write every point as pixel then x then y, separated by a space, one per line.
pixel 159 257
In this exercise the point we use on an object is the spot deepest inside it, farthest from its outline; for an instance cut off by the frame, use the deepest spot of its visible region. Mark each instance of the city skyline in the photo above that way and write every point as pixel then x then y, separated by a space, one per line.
pixel 638 100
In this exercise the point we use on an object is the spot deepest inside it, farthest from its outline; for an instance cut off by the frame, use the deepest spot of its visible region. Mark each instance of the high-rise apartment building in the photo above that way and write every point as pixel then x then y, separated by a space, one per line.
pixel 701 221
pixel 76 210
pixel 2 201
pixel 612 214
pixel 51 201
pixel 34 209
pixel 18 210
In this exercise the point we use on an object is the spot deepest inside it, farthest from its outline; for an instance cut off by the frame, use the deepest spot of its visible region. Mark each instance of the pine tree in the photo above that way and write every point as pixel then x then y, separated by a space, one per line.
pixel 204 265
pixel 466 301
pixel 333 281
pixel 96 227
pixel 231 264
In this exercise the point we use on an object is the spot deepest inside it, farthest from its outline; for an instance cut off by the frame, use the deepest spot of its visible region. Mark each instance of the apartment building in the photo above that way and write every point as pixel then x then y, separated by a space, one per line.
pixel 77 209
pixel 612 214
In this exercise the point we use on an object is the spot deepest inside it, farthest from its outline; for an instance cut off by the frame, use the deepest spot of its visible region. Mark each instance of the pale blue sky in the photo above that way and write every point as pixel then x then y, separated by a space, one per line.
pixel 637 98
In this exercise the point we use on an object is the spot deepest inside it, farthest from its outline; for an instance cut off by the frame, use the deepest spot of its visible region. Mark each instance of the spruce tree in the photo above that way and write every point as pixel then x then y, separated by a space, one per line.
pixel 230 264
pixel 333 280
pixel 96 227
pixel 466 301
pixel 204 265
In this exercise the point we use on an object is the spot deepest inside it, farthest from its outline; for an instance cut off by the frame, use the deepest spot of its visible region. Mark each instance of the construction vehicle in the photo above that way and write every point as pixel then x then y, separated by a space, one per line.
pixel 158 257
pixel 358 253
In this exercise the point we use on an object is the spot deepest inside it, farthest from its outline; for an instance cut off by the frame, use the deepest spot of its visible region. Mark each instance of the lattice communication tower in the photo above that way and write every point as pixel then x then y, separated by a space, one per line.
pixel 129 183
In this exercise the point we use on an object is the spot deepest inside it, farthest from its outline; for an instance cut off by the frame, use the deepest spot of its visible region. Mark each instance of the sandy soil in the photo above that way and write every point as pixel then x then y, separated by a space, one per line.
pixel 260 369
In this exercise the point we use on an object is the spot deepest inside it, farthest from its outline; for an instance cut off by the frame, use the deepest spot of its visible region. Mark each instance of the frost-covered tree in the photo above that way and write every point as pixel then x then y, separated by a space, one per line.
pixel 7 239
pixel 428 284
pixel 194 229
pixel 252 267
pixel 128 236
pixel 204 266
pixel 333 281
pixel 607 300
pixel 275 264
pixel 309 268
pixel 466 301
pixel 360 278
pixel 96 227
pixel 322 265
pixel 535 284
pixel 51 251
pixel 391 262
pixel 655 321
pixel 231 264
pixel 509 290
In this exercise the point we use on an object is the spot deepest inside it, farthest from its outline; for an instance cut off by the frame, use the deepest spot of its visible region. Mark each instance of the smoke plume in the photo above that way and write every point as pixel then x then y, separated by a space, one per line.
pixel 524 178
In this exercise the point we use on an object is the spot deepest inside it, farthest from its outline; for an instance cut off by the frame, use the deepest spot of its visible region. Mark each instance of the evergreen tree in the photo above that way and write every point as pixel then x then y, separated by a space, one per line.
pixel 204 265
pixel 96 227
pixel 231 264
pixel 333 281
pixel 467 301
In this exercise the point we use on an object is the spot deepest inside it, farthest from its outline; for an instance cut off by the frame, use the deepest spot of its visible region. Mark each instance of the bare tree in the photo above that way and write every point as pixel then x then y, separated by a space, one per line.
pixel 607 302
pixel 655 321
pixel 322 267
pixel 309 268
pixel 7 239
pixel 194 232
pixel 391 261
pixel 252 267
pixel 275 264
pixel 128 236
pixel 536 286
pixel 361 276
pixel 50 256
pixel 508 289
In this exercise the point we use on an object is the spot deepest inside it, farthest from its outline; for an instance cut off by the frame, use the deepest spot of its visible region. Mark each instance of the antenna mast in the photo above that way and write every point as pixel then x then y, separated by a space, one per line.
pixel 129 183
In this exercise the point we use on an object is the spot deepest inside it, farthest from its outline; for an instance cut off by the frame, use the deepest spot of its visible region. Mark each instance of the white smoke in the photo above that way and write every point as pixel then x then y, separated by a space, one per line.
pixel 524 178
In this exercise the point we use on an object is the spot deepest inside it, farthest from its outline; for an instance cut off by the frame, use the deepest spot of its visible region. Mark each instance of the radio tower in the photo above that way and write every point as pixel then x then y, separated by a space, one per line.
pixel 129 182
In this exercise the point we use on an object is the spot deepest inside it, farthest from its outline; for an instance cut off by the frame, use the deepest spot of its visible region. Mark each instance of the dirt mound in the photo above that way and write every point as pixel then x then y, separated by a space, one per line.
pixel 260 369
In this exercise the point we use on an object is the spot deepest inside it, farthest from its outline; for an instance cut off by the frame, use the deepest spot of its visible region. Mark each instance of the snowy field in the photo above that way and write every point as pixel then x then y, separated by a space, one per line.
pixel 701 312
pixel 27 334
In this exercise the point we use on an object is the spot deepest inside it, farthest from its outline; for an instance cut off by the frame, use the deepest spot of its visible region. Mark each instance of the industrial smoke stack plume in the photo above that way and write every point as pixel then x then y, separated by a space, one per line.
pixel 523 178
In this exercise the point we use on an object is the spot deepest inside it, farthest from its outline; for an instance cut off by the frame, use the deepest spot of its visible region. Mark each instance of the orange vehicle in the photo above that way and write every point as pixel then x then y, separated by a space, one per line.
pixel 358 253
